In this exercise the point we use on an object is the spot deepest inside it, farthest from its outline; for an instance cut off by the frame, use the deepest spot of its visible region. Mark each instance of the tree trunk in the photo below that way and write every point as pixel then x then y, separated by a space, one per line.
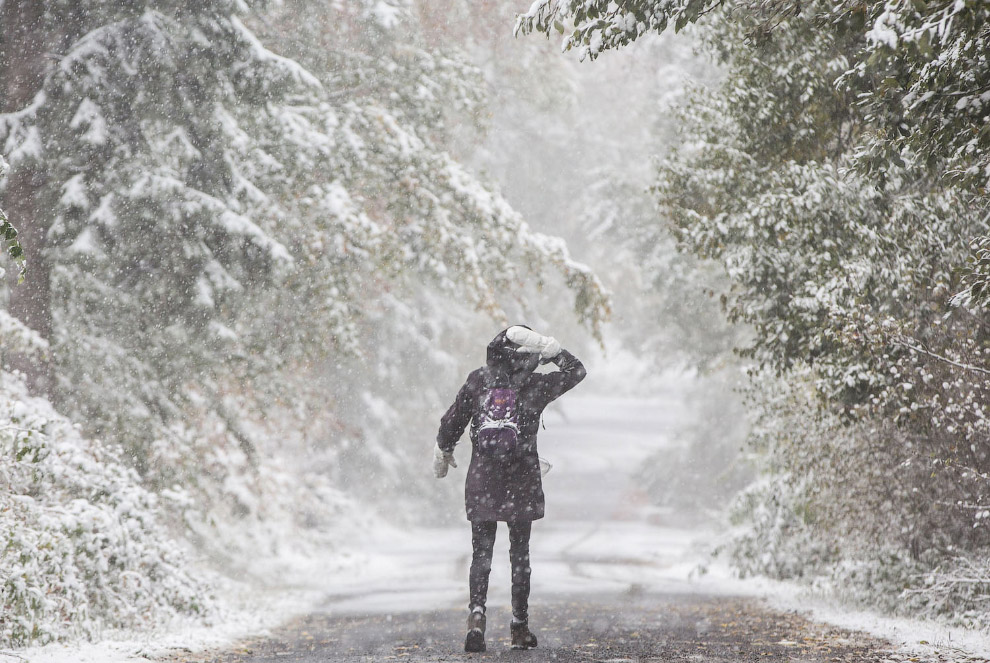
pixel 24 42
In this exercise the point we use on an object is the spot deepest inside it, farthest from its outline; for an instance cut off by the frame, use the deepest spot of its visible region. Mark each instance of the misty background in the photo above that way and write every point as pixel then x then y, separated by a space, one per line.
pixel 266 242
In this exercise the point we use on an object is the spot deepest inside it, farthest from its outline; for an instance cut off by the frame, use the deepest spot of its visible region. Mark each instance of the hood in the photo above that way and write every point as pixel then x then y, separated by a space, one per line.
pixel 502 355
pixel 501 349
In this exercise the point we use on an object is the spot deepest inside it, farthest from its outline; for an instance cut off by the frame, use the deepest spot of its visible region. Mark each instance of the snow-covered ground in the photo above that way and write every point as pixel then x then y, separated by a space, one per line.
pixel 600 534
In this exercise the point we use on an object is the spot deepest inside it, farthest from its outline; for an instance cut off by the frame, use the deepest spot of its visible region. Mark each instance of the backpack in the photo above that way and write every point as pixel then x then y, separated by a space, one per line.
pixel 498 432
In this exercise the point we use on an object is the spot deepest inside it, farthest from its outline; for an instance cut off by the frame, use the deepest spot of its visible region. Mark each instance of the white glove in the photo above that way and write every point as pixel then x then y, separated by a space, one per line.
pixel 441 459
pixel 531 342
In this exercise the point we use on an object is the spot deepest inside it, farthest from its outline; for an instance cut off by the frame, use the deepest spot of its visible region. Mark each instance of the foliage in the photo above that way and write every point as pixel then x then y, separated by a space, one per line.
pixel 285 208
pixel 976 274
pixel 599 25
pixel 920 71
pixel 847 272
pixel 82 547
pixel 833 175
pixel 254 253
pixel 8 233
pixel 856 509
pixel 928 67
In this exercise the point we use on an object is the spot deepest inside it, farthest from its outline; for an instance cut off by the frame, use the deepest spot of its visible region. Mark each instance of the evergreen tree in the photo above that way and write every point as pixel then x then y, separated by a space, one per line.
pixel 244 257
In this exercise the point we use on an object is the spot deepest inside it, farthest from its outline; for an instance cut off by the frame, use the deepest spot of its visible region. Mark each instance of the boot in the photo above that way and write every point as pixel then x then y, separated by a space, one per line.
pixel 475 640
pixel 522 637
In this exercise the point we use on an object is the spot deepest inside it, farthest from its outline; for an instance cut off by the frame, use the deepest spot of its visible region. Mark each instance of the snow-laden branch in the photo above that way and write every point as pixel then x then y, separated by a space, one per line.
pixel 18 429
pixel 915 346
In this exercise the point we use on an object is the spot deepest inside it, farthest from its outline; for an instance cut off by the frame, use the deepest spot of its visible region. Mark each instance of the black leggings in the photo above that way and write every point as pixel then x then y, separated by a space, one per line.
pixel 483 543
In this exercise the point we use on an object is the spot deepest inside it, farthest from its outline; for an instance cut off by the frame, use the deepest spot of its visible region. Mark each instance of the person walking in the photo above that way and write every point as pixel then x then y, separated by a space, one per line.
pixel 503 402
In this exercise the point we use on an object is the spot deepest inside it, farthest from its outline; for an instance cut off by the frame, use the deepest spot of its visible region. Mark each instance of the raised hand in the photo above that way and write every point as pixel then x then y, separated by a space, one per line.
pixel 532 342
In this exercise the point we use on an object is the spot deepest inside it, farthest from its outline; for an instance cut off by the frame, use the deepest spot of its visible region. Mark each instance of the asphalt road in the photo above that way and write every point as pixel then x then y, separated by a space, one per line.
pixel 610 629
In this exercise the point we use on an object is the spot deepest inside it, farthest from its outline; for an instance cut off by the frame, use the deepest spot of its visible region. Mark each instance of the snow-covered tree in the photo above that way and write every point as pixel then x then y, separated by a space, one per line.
pixel 249 263
pixel 818 177
pixel 200 182
pixel 8 233
pixel 82 546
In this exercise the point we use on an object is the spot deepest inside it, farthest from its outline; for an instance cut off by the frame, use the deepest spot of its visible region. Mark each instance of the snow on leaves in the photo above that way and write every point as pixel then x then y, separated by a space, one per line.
pixel 82 540
pixel 976 275
pixel 8 234
pixel 241 159
pixel 600 25
pixel 228 228
pixel 837 176
pixel 933 61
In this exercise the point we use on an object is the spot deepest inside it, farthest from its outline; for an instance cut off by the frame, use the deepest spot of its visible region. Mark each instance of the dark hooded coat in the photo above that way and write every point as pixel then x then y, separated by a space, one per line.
pixel 507 489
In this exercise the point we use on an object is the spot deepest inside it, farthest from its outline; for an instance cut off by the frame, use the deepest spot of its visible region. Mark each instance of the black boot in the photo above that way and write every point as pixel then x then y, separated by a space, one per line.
pixel 475 640
pixel 522 637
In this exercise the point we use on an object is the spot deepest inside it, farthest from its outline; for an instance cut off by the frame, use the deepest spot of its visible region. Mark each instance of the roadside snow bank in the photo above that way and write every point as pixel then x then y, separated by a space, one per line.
pixel 265 595
pixel 83 546
pixel 915 636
